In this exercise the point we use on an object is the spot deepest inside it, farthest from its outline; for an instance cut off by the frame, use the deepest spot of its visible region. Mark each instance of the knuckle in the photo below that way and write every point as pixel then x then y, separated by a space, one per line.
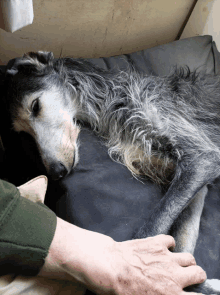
pixel 191 258
pixel 160 236
pixel 201 274
pixel 171 238
pixel 173 241
pixel 168 238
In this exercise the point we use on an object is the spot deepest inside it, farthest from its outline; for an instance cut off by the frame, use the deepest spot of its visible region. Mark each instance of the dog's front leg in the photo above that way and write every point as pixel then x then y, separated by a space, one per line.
pixel 185 229
pixel 187 182
pixel 186 192
pixel 185 232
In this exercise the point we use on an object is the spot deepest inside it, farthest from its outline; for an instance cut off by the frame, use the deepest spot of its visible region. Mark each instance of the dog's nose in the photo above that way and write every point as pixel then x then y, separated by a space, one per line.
pixel 57 171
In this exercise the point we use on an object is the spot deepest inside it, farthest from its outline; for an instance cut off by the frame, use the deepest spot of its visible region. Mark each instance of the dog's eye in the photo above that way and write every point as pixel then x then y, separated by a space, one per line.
pixel 35 106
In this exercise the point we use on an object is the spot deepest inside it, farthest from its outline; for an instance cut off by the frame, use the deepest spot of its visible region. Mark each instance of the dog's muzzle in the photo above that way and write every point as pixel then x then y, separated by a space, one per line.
pixel 57 170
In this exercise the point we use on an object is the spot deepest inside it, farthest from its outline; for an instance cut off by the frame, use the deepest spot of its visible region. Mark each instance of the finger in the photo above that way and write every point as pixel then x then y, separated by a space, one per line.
pixel 192 275
pixel 183 259
pixel 168 241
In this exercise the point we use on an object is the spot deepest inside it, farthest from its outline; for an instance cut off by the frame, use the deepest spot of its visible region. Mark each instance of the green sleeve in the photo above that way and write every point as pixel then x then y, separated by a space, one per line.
pixel 26 232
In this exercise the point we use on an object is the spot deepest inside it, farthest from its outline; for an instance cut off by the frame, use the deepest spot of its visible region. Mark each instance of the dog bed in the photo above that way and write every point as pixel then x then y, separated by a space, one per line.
pixel 101 195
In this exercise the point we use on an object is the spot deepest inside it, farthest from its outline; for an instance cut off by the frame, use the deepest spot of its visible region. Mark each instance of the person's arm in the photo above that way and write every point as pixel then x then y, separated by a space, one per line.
pixel 127 268
pixel 26 232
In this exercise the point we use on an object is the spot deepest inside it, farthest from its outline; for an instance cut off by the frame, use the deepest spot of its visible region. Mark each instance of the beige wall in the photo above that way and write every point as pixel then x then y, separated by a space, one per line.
pixel 94 28
pixel 204 20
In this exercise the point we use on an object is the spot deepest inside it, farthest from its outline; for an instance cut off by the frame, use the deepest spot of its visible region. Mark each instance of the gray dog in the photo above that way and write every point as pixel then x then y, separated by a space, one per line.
pixel 167 128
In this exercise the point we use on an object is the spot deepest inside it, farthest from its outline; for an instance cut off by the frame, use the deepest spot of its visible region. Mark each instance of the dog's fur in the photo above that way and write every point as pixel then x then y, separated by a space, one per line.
pixel 166 128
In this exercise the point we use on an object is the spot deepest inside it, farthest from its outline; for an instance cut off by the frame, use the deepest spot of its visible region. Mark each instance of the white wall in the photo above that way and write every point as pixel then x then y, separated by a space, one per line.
pixel 94 28
pixel 205 20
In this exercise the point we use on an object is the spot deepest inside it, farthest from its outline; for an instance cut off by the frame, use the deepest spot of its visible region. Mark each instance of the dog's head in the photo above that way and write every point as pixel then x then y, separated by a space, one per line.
pixel 42 103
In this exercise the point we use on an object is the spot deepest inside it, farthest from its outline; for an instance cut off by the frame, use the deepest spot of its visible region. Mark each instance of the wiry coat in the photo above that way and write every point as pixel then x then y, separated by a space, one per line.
pixel 167 128
pixel 150 123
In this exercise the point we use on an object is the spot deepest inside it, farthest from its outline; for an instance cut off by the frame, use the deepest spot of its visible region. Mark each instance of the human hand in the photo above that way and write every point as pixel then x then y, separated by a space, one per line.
pixel 127 268
pixel 147 267
pixel 144 267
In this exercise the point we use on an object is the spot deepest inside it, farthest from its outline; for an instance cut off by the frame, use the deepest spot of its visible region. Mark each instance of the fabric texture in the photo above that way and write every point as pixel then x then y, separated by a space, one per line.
pixel 26 232
pixel 197 53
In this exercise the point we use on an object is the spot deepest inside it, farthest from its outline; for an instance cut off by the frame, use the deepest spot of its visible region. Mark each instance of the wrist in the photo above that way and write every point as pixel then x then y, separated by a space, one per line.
pixel 52 267
pixel 81 255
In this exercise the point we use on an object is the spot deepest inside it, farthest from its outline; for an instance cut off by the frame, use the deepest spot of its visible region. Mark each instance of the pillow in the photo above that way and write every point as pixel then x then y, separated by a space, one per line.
pixel 197 52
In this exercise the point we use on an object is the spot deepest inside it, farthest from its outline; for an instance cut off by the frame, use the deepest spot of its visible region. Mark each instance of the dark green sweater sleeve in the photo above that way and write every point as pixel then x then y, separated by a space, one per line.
pixel 26 232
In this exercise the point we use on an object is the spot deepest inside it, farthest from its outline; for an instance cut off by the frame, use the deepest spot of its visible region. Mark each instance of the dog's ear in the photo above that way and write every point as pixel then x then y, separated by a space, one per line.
pixel 11 68
pixel 29 63
pixel 19 65
pixel 43 57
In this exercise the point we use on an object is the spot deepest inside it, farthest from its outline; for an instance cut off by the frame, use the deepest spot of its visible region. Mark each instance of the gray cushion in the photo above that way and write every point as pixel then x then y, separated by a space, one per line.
pixel 197 53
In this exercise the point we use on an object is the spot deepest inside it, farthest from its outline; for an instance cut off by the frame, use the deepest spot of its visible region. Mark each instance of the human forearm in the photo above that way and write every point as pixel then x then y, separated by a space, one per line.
pixel 75 254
